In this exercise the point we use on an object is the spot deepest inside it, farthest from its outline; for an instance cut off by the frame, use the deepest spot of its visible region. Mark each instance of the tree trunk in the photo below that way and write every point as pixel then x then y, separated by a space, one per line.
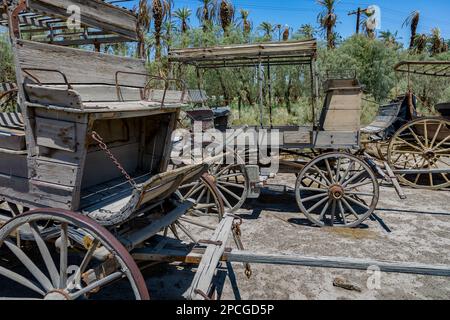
pixel 226 96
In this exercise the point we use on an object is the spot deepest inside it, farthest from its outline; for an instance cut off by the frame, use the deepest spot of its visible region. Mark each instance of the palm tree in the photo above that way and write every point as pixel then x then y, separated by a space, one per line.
pixel 144 23
pixel 162 10
pixel 183 15
pixel 246 24
pixel 267 29
pixel 327 20
pixel 389 38
pixel 436 41
pixel 207 13
pixel 226 14
pixel 286 33
pixel 307 31
pixel 420 43
pixel 412 20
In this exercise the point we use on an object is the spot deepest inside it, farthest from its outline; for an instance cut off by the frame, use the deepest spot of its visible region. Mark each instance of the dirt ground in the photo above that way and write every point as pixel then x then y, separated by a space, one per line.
pixel 412 230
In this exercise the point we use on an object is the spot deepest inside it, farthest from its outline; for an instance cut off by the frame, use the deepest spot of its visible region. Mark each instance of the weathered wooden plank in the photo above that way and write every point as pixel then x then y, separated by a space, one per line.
pixel 213 254
pixel 79 66
pixel 54 134
pixel 94 13
pixel 54 96
pixel 297 137
pixel 12 139
pixel 54 172
pixel 339 263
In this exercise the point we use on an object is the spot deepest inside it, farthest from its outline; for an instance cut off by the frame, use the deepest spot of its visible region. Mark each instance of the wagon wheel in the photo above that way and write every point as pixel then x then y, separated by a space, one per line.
pixel 202 220
pixel 422 144
pixel 88 258
pixel 232 184
pixel 337 189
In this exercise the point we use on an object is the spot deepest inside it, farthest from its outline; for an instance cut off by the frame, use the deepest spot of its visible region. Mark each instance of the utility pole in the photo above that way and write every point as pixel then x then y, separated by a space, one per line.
pixel 358 17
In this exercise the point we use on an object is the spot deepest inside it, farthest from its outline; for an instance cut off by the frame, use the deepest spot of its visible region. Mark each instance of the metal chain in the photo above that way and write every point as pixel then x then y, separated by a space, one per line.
pixel 104 147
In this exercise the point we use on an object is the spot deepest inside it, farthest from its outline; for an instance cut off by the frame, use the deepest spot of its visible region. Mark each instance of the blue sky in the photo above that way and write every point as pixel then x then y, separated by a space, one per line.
pixel 297 12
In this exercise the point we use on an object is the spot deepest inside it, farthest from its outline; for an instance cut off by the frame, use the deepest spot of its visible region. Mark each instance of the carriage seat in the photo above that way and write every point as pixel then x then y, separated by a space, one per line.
pixel 12 134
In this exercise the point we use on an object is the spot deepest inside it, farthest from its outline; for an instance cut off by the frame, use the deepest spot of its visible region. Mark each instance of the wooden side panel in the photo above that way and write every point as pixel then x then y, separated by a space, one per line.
pixel 297 137
pixel 94 13
pixel 54 134
pixel 53 172
pixel 342 111
pixel 80 66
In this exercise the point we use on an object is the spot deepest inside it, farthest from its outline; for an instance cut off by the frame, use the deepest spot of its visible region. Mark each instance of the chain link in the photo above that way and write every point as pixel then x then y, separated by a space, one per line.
pixel 104 147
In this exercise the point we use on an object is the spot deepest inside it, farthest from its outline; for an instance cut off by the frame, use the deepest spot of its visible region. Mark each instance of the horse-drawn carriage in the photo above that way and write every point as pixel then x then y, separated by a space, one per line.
pixel 91 138
pixel 334 187
pixel 416 147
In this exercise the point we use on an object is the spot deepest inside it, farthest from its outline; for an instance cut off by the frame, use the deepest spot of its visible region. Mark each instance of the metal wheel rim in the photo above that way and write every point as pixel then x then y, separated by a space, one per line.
pixel 318 196
pixel 421 149
pixel 57 283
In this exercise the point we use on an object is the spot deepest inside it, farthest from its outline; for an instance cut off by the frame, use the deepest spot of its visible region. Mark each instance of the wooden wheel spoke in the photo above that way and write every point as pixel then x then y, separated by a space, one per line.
pixel 21 280
pixel 318 204
pixel 45 253
pixel 363 194
pixel 85 262
pixel 186 231
pixel 347 171
pixel 342 211
pixel 194 190
pixel 227 176
pixel 230 184
pixel 346 183
pixel 358 203
pixel 317 196
pixel 426 133
pixel 63 255
pixel 313 189
pixel 229 192
pixel 441 143
pixel 358 185
pixel 34 270
pixel 225 200
pixel 308 177
pixel 333 212
pixel 324 211
pixel 436 135
pixel 322 175
pixel 97 284
pixel 327 163
pixel 350 208
pixel 409 144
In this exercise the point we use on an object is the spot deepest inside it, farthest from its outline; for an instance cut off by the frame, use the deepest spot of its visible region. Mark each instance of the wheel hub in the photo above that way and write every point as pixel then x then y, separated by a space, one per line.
pixel 429 154
pixel 57 295
pixel 336 192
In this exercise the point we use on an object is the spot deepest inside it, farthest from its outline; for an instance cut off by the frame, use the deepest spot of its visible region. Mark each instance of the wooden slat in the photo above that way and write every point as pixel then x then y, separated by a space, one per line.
pixel 54 134
pixel 213 254
pixel 80 66
pixel 94 13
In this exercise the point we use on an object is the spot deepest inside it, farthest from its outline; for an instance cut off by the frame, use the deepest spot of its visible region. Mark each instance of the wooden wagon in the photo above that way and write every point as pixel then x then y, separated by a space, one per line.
pixel 83 162
pixel 414 146
pixel 335 188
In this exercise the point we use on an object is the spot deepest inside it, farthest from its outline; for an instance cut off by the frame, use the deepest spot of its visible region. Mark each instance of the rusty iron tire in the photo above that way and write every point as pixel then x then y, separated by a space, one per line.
pixel 338 190
pixel 129 268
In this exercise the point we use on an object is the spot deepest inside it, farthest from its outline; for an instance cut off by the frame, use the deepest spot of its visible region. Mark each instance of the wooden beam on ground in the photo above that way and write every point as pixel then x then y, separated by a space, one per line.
pixel 213 254
pixel 339 263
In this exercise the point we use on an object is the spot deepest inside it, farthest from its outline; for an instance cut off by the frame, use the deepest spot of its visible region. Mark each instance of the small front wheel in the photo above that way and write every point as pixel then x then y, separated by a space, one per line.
pixel 337 189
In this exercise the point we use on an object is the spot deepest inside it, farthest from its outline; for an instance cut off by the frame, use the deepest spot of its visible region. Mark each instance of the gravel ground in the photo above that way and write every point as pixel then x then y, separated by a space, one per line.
pixel 412 230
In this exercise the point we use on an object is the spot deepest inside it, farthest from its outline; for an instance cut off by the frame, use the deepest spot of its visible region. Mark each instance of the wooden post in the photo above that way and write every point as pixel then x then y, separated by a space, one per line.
pixel 270 91
pixel 261 96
